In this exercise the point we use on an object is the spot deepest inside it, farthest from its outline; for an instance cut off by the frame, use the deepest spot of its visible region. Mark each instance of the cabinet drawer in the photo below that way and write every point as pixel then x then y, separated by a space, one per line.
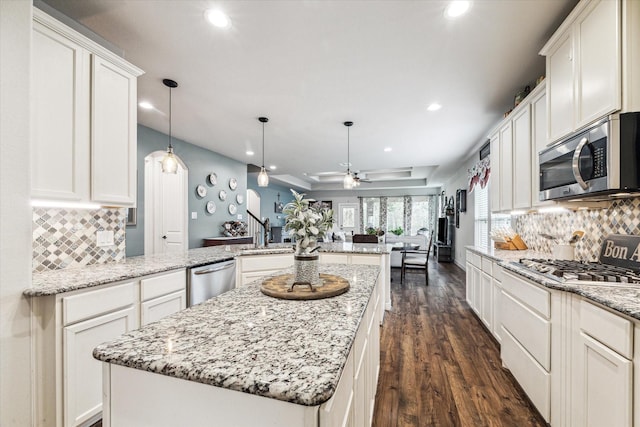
pixel 530 330
pixel 334 258
pixel 608 328
pixel 365 259
pixel 266 262
pixel 93 303
pixel 536 298
pixel 497 272
pixel 487 266
pixel 475 259
pixel 163 306
pixel 533 379
pixel 164 284
pixel 255 275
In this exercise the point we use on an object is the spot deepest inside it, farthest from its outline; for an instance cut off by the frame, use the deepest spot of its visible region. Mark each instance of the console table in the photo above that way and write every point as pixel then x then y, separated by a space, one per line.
pixel 219 241
pixel 443 252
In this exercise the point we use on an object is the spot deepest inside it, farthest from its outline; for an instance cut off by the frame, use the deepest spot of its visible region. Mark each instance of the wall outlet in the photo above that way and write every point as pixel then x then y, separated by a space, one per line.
pixel 194 215
pixel 104 238
pixel 240 216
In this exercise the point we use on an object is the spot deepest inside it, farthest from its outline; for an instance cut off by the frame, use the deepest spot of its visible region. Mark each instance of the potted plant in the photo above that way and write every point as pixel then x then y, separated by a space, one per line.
pixel 307 224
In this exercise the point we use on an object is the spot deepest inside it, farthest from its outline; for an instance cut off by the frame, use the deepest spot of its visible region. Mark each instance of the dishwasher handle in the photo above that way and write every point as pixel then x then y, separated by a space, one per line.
pixel 213 270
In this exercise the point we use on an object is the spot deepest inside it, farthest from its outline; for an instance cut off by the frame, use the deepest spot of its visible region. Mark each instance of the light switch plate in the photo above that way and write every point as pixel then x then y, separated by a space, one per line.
pixel 194 215
pixel 104 238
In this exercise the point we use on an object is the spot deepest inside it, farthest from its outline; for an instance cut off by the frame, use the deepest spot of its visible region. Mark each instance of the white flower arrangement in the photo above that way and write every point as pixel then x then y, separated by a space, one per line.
pixel 306 223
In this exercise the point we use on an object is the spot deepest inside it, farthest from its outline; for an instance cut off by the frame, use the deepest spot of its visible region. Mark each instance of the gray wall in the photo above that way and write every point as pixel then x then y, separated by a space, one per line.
pixel 269 196
pixel 200 162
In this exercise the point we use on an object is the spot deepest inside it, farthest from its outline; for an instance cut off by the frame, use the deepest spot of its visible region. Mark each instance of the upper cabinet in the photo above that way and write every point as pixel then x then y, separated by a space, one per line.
pixel 591 62
pixel 84 118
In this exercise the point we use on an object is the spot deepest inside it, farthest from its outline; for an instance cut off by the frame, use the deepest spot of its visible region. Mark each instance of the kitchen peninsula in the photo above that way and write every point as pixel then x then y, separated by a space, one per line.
pixel 246 359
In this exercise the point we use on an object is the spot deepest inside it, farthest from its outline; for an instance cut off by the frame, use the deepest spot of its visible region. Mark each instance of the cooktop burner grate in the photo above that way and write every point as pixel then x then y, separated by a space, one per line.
pixel 582 271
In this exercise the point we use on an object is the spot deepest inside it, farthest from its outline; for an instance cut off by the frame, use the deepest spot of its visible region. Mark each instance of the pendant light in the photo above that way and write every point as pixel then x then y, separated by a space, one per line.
pixel 348 181
pixel 263 178
pixel 169 162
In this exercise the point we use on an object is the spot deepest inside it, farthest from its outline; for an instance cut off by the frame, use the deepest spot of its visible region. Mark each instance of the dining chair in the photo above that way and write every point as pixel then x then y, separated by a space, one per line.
pixel 365 238
pixel 417 259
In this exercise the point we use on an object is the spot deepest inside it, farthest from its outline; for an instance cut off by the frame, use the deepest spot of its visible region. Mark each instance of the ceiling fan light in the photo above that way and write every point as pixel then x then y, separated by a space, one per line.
pixel 348 181
pixel 169 162
pixel 263 178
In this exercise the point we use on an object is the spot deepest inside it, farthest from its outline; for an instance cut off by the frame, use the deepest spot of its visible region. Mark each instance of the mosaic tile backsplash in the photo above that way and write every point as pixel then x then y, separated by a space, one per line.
pixel 64 238
pixel 621 217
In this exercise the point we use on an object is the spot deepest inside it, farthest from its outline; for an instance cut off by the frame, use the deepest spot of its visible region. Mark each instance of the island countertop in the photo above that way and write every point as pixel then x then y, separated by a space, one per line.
pixel 70 279
pixel 246 341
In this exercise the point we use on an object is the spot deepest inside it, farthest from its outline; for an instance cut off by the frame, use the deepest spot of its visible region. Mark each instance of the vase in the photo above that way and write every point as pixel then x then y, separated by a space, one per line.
pixel 305 269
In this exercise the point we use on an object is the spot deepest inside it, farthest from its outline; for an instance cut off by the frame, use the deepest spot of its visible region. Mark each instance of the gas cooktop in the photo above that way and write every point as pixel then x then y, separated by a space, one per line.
pixel 619 264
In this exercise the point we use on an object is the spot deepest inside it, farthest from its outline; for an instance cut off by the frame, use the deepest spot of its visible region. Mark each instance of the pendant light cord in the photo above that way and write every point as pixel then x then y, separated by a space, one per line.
pixel 170 103
pixel 348 149
pixel 263 144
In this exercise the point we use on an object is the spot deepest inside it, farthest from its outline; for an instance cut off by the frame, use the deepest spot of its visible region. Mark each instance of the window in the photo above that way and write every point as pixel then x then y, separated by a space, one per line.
pixel 371 212
pixel 481 217
pixel 421 214
pixel 395 213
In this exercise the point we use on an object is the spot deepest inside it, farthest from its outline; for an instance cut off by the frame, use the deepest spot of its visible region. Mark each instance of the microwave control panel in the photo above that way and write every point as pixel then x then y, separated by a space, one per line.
pixel 599 159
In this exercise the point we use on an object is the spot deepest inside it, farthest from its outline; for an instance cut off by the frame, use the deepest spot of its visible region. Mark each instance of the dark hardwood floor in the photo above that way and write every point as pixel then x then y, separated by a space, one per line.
pixel 438 365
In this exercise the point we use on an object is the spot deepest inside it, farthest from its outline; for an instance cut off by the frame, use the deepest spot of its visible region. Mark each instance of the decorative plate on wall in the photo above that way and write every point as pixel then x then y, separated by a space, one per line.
pixel 211 207
pixel 223 195
pixel 233 184
pixel 213 178
pixel 201 190
pixel 232 209
pixel 240 199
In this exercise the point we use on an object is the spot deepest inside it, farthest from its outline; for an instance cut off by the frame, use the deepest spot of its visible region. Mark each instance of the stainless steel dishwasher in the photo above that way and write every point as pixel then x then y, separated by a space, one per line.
pixel 210 280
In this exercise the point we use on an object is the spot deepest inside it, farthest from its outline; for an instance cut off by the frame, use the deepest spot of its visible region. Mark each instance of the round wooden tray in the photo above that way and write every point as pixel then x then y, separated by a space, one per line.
pixel 279 287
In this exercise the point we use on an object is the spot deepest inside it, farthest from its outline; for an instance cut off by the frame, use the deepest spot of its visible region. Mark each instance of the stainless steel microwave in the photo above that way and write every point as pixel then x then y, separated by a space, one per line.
pixel 600 160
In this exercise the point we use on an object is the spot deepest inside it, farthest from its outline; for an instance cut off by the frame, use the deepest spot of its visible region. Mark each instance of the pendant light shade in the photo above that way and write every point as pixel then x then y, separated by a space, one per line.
pixel 170 162
pixel 263 178
pixel 348 181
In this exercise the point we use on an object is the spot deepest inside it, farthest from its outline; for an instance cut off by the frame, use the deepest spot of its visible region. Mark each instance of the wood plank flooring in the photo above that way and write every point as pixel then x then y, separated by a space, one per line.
pixel 438 365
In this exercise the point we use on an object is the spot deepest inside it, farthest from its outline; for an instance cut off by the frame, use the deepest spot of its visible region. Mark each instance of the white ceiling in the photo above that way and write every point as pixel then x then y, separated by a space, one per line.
pixel 311 65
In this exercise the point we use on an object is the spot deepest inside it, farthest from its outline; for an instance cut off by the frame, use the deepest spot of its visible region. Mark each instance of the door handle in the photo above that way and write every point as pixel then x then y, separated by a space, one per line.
pixel 164 237
pixel 575 164
pixel 213 270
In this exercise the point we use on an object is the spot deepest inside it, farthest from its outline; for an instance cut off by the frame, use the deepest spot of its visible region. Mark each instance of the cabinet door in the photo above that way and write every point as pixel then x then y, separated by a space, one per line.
pixel 60 116
pixel 538 143
pixel 113 134
pixel 598 90
pixel 603 397
pixel 496 323
pixel 487 300
pixel 560 89
pixel 506 168
pixel 469 282
pixel 494 178
pixel 82 381
pixel 477 292
pixel 522 159
pixel 158 308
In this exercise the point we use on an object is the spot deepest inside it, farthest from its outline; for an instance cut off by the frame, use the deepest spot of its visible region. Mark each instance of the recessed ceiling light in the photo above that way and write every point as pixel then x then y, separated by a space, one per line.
pixel 250 153
pixel 272 167
pixel 457 8
pixel 217 18
pixel 387 149
pixel 146 105
pixel 434 107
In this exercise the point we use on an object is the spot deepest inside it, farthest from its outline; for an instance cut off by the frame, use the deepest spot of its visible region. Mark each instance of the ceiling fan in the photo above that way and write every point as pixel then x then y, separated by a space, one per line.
pixel 357 180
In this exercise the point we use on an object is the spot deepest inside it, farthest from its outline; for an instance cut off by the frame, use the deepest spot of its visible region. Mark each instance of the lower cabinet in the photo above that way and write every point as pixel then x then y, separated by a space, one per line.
pixel 253 267
pixel 68 326
pixel 483 290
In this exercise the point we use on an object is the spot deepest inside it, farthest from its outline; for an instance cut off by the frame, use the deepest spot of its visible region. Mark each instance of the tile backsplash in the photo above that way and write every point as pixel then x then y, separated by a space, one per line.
pixel 64 238
pixel 621 217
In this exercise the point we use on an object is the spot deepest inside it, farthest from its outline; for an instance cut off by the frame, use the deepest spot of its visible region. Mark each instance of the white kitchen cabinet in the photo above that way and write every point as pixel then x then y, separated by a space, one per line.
pixel 506 167
pixel 68 326
pixel 82 373
pixel 602 369
pixel 538 140
pixel 584 67
pixel 486 305
pixel 60 116
pixel 494 179
pixel 521 173
pixel 496 323
pixel 469 283
pixel 84 118
pixel 254 267
pixel 483 288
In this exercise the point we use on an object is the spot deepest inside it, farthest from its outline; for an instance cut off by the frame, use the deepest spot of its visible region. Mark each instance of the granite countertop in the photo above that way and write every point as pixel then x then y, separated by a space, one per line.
pixel 70 279
pixel 623 298
pixel 246 341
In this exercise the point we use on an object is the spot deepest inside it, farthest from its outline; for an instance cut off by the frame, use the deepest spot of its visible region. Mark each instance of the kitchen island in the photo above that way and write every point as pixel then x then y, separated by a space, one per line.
pixel 244 358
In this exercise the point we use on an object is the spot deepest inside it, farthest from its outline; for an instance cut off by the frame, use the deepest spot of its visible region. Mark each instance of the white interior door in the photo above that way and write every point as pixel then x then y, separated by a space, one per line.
pixel 166 206
pixel 253 205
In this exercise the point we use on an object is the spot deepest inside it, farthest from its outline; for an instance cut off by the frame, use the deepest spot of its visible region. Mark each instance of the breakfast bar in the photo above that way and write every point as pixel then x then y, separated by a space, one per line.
pixel 247 359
